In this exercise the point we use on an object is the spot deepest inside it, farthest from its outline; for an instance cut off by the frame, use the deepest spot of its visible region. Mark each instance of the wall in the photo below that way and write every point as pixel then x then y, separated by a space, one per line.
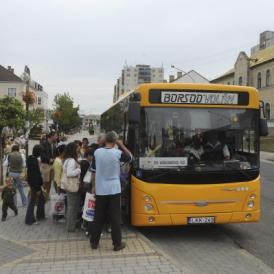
pixel 20 87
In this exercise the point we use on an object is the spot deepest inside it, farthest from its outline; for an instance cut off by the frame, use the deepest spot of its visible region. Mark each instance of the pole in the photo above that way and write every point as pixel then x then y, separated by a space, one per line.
pixel 27 111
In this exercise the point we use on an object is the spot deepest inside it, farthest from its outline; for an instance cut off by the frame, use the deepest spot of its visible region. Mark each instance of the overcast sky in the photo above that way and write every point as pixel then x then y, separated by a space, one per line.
pixel 80 46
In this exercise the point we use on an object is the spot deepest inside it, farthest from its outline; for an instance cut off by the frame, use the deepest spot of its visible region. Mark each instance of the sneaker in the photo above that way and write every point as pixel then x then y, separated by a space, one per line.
pixel 36 223
pixel 108 230
pixel 119 247
pixel 4 219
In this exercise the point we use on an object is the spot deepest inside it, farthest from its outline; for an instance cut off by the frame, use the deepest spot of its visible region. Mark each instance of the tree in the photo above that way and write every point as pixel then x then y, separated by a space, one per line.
pixel 36 117
pixel 12 115
pixel 65 115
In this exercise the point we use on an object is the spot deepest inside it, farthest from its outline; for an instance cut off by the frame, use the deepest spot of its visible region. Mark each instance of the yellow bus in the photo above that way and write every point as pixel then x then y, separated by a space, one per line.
pixel 196 153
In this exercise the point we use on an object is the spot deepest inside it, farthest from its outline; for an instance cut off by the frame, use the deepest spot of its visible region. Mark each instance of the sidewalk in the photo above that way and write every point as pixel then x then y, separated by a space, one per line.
pixel 267 156
pixel 48 248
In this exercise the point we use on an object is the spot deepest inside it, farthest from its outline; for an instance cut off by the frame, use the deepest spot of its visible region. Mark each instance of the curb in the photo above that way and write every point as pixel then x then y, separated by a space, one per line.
pixel 165 255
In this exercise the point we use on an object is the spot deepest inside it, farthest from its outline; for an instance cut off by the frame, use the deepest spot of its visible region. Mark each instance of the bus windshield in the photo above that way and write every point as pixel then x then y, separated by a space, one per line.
pixel 200 139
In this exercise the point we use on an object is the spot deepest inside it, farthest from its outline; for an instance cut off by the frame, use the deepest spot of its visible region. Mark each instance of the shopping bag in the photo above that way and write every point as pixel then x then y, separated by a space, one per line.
pixel 89 207
pixel 57 205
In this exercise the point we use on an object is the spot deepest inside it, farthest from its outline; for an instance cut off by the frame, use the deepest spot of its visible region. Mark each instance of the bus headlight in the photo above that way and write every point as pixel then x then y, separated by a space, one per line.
pixel 250 204
pixel 148 207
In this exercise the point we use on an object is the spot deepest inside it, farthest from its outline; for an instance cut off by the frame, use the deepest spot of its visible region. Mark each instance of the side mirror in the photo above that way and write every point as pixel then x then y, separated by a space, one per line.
pixel 263 127
pixel 134 111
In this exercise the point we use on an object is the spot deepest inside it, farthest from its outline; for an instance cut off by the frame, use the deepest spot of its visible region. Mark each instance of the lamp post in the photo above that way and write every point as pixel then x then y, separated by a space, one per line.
pixel 27 99
pixel 185 73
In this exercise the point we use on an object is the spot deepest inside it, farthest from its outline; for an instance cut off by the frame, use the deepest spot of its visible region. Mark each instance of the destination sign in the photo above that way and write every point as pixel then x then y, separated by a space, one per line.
pixel 208 98
pixel 162 162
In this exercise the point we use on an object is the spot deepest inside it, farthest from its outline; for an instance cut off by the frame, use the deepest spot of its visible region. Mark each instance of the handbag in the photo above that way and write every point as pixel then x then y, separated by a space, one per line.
pixel 70 184
pixel 87 177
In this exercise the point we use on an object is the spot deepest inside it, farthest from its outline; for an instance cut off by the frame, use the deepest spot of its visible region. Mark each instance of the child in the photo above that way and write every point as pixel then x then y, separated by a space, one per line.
pixel 8 199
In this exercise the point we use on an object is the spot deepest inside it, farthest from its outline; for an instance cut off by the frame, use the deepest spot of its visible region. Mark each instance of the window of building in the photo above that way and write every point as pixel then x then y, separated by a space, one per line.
pixel 268 78
pixel 259 80
pixel 39 101
pixel 12 92
pixel 240 80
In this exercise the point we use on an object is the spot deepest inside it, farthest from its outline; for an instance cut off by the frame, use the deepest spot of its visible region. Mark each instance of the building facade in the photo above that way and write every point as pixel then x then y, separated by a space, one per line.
pixel 256 70
pixel 11 84
pixel 91 121
pixel 189 77
pixel 133 76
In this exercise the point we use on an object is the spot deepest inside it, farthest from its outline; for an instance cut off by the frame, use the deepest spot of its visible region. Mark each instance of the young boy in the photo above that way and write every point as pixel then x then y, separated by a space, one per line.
pixel 8 199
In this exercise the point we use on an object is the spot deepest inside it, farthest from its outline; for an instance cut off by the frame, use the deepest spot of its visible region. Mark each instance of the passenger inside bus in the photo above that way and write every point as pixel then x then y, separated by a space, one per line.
pixel 194 149
pixel 214 150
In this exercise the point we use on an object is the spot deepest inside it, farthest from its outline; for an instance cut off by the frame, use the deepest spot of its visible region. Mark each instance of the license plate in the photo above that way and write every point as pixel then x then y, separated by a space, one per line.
pixel 201 220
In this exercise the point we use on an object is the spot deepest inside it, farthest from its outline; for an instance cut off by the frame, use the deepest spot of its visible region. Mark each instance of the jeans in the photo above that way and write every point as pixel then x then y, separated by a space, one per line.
pixel 17 183
pixel 73 208
pixel 36 196
pixel 107 206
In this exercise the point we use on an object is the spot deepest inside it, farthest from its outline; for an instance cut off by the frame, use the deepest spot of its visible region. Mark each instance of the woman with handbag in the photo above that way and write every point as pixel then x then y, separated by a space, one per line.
pixel 70 182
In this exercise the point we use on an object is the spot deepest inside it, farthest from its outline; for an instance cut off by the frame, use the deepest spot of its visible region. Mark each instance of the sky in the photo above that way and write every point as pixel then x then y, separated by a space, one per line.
pixel 81 46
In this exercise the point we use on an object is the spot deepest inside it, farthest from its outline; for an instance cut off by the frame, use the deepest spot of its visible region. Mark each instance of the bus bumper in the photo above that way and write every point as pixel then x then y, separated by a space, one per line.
pixel 182 219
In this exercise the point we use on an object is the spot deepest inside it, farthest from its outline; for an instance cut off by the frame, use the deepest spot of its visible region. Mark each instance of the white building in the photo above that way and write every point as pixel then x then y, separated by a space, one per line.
pixel 11 84
pixel 189 77
pixel 266 40
pixel 91 120
pixel 132 76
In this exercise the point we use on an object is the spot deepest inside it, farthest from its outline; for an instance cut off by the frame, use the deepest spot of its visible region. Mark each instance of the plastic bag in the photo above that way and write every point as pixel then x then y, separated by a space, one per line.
pixel 57 205
pixel 89 207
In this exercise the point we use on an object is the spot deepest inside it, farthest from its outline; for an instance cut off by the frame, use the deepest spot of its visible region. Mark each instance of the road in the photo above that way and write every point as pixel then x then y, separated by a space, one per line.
pixel 238 248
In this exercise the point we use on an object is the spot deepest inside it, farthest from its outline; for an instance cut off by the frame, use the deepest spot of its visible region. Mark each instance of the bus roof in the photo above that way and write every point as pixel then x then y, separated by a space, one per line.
pixel 144 90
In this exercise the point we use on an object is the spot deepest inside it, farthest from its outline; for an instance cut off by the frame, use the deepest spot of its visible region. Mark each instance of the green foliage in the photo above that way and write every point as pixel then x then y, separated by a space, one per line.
pixel 65 114
pixel 36 117
pixel 12 113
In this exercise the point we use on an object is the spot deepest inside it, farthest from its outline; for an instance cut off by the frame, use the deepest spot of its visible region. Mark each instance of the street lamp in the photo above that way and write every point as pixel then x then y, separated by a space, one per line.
pixel 184 73
pixel 27 99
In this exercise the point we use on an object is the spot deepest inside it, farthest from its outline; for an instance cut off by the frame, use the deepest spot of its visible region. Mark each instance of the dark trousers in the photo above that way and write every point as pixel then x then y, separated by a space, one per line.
pixel 5 207
pixel 107 206
pixel 36 196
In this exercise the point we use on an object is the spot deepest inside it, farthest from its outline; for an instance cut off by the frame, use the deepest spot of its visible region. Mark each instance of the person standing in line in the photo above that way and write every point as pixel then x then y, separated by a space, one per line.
pixel 16 163
pixel 7 196
pixel 47 158
pixel 106 174
pixel 35 182
pixel 58 167
pixel 72 169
